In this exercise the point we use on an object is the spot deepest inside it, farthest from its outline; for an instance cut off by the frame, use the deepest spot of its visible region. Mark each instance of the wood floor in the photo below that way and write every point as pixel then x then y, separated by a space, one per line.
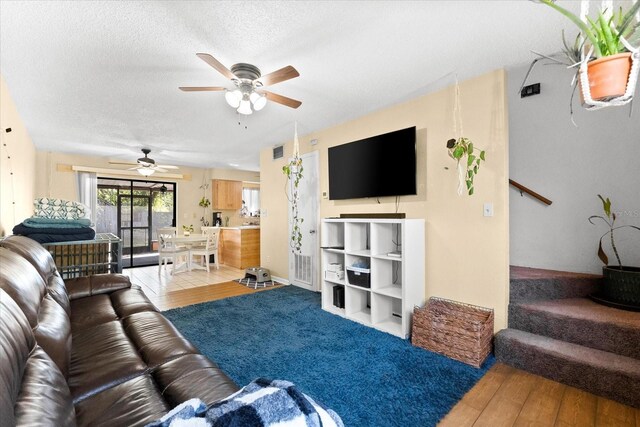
pixel 166 290
pixel 505 396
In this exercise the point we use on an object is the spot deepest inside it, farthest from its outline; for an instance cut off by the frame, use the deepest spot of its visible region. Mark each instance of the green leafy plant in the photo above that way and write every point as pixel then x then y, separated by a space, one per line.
pixel 610 222
pixel 293 171
pixel 602 33
pixel 461 150
pixel 204 202
pixel 188 228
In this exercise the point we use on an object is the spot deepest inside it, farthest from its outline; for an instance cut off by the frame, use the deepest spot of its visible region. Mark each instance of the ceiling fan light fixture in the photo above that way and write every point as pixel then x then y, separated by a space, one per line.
pixel 245 107
pixel 146 171
pixel 233 97
pixel 258 101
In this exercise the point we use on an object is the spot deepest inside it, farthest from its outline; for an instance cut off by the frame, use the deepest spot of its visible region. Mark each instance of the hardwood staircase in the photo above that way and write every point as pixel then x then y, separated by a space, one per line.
pixel 557 332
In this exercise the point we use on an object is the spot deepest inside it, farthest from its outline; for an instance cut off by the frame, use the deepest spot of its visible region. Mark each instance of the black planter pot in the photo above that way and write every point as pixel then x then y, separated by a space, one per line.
pixel 620 287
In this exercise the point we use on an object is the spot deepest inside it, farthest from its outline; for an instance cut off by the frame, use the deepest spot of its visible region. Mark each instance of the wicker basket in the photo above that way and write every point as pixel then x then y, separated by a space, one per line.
pixel 460 331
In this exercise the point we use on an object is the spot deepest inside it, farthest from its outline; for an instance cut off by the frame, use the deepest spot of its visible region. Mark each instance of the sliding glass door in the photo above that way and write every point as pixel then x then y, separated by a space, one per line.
pixel 134 210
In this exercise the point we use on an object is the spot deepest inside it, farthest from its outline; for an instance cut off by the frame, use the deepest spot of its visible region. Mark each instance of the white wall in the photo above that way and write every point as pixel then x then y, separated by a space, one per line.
pixel 570 166
pixel 17 165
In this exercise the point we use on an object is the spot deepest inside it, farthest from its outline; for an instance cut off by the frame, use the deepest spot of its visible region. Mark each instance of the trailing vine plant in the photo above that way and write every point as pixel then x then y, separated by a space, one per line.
pixel 204 203
pixel 461 149
pixel 293 171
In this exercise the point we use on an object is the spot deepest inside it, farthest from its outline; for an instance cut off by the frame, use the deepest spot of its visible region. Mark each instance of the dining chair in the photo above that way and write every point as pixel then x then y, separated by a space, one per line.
pixel 168 250
pixel 210 248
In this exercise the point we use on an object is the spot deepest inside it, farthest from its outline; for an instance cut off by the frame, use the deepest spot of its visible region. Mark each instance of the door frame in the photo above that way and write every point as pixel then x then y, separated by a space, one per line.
pixel 314 158
pixel 131 185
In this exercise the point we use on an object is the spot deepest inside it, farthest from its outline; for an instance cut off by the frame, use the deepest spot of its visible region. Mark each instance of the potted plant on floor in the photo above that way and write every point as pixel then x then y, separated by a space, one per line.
pixel 621 285
pixel 609 69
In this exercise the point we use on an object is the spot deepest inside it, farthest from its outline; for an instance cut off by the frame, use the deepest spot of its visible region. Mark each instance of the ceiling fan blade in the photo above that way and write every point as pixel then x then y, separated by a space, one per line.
pixel 135 168
pixel 278 76
pixel 202 89
pixel 123 163
pixel 217 65
pixel 289 102
pixel 167 167
pixel 157 169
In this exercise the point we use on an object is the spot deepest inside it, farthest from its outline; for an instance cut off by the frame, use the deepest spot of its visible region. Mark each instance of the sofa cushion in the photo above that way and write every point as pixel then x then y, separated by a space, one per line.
pixel 48 320
pixel 129 301
pixel 155 338
pixel 57 290
pixel 24 369
pixel 101 357
pixel 91 311
pixel 44 397
pixel 192 375
pixel 135 402
pixel 23 283
pixel 96 284
pixel 33 252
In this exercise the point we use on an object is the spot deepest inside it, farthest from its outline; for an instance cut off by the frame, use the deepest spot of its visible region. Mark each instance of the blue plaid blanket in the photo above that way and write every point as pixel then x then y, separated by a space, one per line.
pixel 261 403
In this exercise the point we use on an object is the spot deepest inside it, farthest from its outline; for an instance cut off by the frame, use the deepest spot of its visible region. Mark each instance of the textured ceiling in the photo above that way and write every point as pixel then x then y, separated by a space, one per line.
pixel 101 78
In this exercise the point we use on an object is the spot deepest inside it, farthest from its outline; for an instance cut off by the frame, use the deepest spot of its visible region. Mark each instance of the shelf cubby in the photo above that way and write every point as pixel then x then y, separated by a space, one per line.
pixel 386 313
pixel 358 304
pixel 397 282
pixel 332 235
pixel 356 236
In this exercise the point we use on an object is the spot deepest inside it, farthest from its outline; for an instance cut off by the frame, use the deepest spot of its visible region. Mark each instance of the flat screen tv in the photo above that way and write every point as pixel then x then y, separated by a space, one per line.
pixel 383 165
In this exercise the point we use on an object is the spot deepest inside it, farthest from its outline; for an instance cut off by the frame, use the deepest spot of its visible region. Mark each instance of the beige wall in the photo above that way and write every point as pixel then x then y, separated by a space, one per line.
pixel 51 182
pixel 467 254
pixel 17 190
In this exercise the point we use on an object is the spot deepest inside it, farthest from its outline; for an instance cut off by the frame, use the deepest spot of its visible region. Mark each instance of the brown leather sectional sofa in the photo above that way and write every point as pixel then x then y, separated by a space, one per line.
pixel 89 351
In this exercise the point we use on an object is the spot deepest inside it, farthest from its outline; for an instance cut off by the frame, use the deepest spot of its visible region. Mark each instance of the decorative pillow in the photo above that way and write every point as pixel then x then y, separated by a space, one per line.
pixel 59 209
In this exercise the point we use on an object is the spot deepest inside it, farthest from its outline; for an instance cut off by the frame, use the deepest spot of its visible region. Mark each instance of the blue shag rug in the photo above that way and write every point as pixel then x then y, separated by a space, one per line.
pixel 368 377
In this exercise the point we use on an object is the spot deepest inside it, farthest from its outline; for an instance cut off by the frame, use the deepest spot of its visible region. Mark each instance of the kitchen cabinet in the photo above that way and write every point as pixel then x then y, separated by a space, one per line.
pixel 226 194
pixel 240 246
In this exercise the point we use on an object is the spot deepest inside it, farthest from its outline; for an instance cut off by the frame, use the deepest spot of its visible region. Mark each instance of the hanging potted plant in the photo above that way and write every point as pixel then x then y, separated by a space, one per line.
pixel 461 149
pixel 204 203
pixel 621 284
pixel 293 171
pixel 609 68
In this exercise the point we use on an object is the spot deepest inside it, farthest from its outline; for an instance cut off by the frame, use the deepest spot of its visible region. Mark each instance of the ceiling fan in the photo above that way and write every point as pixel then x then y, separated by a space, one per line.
pixel 248 82
pixel 146 165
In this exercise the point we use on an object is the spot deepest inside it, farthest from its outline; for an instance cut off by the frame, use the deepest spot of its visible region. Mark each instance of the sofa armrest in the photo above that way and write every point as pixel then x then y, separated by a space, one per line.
pixel 96 284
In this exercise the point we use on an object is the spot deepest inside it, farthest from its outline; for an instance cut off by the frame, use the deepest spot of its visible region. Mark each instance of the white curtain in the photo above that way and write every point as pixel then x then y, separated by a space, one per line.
pixel 88 192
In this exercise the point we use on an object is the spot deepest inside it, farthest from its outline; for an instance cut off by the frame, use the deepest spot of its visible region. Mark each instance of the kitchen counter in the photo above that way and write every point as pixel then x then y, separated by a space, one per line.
pixel 240 246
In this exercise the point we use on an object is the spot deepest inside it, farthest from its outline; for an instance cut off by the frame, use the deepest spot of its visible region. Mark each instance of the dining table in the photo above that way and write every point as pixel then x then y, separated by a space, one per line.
pixel 188 241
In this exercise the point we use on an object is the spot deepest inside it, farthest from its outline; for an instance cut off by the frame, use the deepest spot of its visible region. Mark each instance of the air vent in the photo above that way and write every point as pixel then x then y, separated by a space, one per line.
pixel 278 152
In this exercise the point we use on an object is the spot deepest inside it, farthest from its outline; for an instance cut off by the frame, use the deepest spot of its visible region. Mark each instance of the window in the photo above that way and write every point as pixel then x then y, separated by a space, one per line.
pixel 250 202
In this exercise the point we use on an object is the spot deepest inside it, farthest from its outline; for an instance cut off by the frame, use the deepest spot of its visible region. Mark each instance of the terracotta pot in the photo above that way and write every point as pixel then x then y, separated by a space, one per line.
pixel 608 76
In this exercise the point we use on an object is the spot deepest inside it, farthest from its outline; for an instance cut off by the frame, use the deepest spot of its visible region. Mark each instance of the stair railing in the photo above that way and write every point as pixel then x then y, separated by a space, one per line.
pixel 530 192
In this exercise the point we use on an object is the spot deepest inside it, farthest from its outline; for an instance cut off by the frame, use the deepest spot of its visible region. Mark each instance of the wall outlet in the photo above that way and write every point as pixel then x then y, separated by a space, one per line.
pixel 487 209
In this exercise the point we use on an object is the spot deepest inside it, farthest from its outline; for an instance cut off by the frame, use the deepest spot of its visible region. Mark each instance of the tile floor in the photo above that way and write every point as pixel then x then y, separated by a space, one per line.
pixel 159 282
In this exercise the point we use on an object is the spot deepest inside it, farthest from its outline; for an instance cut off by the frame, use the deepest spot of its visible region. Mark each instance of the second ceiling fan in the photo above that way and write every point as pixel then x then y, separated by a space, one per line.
pixel 248 94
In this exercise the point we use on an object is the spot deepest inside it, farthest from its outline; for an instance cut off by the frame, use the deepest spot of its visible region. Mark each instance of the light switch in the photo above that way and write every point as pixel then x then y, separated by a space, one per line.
pixel 488 209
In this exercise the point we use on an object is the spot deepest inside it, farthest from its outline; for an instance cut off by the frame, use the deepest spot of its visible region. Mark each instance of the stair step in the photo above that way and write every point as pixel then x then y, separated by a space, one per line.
pixel 534 284
pixel 580 321
pixel 599 372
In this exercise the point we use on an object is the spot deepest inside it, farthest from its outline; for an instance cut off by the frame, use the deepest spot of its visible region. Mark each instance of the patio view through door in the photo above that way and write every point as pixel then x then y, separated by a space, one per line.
pixel 134 210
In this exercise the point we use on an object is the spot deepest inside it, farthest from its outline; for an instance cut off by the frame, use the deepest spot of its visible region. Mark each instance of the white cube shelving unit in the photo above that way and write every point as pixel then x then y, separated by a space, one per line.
pixel 397 282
